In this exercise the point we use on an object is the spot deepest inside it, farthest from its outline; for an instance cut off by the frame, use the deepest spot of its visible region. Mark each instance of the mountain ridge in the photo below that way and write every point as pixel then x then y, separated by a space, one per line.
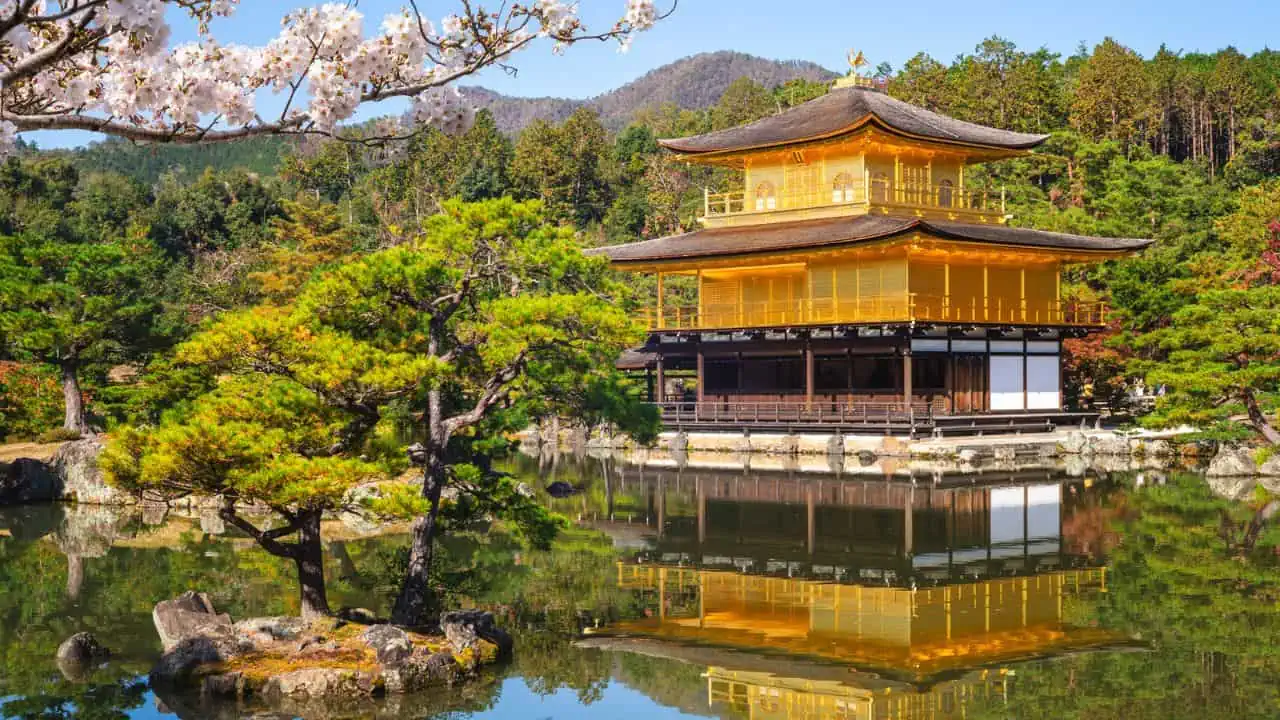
pixel 692 82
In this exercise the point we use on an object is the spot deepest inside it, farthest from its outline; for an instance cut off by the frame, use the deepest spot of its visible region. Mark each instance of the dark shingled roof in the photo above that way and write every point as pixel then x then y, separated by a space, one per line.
pixel 843 109
pixel 775 237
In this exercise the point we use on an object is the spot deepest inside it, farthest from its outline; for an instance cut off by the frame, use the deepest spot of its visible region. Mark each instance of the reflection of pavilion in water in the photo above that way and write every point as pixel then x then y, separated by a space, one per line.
pixel 868 531
pixel 936 584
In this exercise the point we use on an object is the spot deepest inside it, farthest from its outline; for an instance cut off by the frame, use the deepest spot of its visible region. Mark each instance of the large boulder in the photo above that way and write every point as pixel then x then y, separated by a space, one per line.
pixel 464 628
pixel 390 644
pixel 193 634
pixel 76 466
pixel 1232 461
pixel 188 615
pixel 78 654
pixel 27 480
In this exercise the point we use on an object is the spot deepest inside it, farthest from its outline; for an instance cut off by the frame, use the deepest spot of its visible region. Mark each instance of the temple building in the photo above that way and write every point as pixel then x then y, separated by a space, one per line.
pixel 859 279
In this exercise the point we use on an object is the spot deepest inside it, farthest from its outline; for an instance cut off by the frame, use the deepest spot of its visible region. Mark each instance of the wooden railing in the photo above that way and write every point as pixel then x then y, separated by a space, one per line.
pixel 869 193
pixel 819 412
pixel 899 307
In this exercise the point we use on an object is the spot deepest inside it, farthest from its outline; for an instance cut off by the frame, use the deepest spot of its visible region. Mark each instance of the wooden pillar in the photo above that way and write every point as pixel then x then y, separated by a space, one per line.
pixel 986 300
pixel 661 377
pixel 1022 290
pixel 661 320
pixel 906 377
pixel 648 383
pixel 702 383
pixel 948 382
pixel 808 374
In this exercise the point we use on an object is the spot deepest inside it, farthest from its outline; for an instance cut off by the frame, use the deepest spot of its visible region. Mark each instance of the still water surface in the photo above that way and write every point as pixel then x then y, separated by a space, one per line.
pixel 735 594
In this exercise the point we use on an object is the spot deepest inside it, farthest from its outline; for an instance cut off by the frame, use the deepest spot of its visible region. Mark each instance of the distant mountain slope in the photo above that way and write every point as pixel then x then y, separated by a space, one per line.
pixel 693 82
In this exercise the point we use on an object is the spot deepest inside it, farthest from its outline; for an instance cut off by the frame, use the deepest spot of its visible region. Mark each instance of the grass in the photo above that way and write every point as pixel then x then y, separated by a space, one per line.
pixel 36 451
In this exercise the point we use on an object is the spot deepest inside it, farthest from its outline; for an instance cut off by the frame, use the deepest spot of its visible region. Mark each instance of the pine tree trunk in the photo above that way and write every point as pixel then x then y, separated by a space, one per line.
pixel 73 401
pixel 415 598
pixel 310 562
pixel 1259 420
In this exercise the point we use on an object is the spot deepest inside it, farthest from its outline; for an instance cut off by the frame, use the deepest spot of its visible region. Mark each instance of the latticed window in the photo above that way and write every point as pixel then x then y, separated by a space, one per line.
pixel 766 197
pixel 842 188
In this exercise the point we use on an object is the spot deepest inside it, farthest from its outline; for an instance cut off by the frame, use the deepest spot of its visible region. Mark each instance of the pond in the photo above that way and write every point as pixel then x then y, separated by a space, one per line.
pixel 718 591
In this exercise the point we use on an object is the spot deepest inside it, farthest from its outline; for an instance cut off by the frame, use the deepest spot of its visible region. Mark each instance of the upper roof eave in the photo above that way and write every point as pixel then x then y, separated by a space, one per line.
pixel 843 111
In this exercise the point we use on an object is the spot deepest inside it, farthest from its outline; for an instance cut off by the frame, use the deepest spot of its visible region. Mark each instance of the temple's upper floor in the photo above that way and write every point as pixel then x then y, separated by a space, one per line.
pixel 852 151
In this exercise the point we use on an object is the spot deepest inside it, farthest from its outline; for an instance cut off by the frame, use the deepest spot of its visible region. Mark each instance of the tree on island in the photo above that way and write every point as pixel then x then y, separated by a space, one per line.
pixel 296 422
pixel 66 299
pixel 107 66
pixel 512 322
pixel 487 321
pixel 1219 356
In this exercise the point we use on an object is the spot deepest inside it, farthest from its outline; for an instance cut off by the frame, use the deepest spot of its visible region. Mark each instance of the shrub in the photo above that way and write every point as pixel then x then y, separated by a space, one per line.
pixel 30 400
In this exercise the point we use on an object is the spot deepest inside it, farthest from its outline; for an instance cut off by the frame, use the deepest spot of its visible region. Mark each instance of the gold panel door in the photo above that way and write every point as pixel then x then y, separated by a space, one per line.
pixel 802 185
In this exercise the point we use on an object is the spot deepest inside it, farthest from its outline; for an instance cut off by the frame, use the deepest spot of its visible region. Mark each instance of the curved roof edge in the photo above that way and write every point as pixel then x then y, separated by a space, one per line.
pixel 844 110
pixel 834 232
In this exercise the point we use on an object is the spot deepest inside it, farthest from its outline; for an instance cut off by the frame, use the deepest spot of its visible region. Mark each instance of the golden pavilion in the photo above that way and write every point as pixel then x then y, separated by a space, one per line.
pixel 858 279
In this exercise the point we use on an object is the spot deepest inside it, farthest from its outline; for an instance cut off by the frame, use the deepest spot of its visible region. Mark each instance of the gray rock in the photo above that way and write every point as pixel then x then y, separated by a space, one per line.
pixel 391 644
pixel 421 671
pixel 1231 487
pixel 967 455
pixel 211 523
pixel 78 654
pixel 321 682
pixel 463 627
pixel 1232 461
pixel 1270 467
pixel 267 630
pixel 76 466
pixel 363 616
pixel 1109 445
pixel 154 513
pixel 1004 453
pixel 214 644
pixel 679 442
pixel 1074 443
pixel 27 480
pixel 189 615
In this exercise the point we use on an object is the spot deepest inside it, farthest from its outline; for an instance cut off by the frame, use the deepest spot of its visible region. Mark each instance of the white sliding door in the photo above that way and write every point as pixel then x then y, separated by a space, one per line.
pixel 1007 384
pixel 1043 386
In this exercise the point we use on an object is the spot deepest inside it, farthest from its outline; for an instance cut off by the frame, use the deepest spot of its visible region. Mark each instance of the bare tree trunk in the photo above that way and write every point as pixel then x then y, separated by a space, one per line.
pixel 73 401
pixel 309 559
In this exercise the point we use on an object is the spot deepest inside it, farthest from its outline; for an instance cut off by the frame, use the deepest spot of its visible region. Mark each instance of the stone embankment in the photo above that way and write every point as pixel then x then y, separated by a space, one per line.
pixel 1060 444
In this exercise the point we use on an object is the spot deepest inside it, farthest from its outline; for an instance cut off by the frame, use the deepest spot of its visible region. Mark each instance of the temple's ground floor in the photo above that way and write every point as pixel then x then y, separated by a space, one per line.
pixel 898 378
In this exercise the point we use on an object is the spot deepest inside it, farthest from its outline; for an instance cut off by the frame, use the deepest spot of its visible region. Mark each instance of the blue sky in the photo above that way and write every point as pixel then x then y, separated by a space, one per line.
pixel 820 31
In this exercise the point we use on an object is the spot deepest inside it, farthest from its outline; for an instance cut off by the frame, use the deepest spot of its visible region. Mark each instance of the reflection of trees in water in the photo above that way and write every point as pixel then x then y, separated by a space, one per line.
pixel 107 697
pixel 1198 578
